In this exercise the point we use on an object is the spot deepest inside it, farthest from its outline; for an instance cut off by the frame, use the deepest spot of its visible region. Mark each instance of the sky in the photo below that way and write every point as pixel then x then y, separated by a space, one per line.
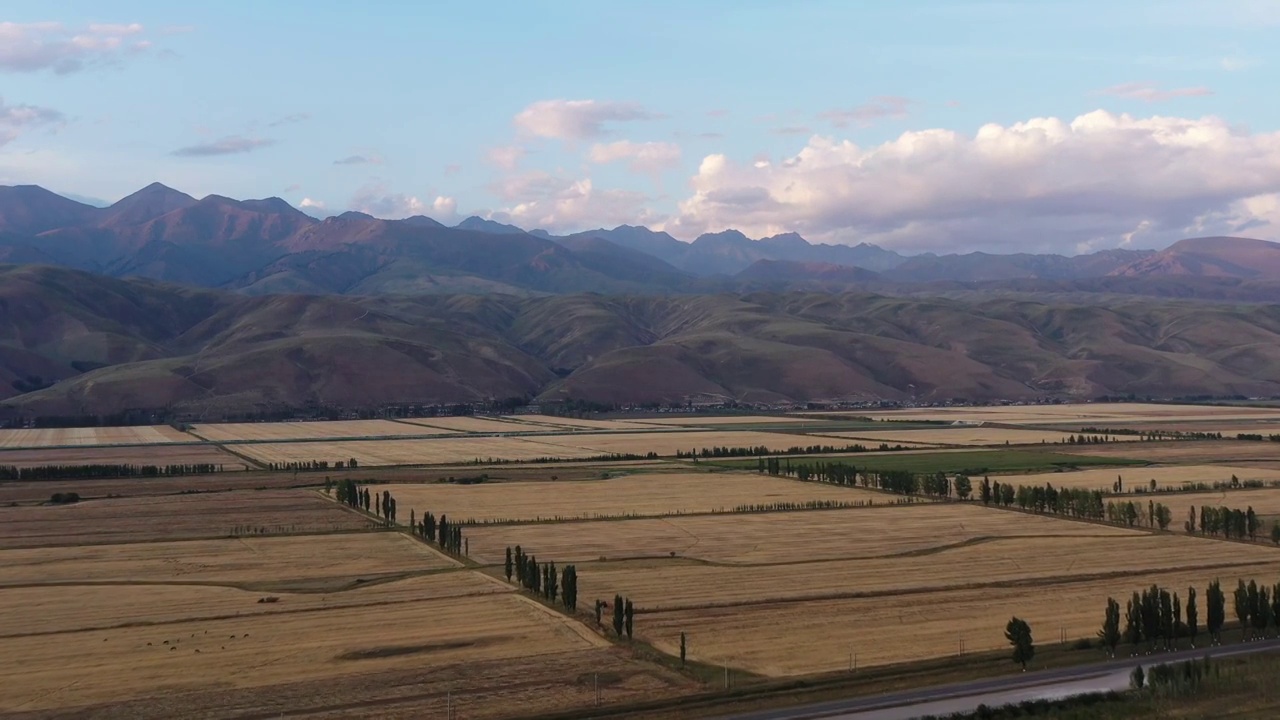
pixel 926 125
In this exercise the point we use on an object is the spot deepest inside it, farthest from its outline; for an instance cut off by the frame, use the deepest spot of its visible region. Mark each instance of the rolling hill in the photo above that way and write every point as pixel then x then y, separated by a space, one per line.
pixel 77 343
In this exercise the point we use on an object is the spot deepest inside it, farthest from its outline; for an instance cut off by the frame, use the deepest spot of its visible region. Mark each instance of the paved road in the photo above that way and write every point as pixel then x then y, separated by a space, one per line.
pixel 966 697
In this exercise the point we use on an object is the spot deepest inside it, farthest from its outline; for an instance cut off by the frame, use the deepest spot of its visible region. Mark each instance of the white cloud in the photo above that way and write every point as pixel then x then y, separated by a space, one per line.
pixel 1042 184
pixel 359 160
pixel 231 145
pixel 1150 92
pixel 566 205
pixel 376 200
pixel 879 108
pixel 444 207
pixel 646 157
pixel 507 157
pixel 32 47
pixel 576 119
pixel 16 119
pixel 309 204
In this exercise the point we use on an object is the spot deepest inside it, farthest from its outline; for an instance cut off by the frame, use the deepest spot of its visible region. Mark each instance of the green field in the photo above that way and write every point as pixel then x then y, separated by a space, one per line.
pixel 977 462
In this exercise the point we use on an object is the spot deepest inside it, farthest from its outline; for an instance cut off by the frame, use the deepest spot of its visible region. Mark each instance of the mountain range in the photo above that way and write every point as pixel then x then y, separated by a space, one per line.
pixel 268 247
pixel 213 307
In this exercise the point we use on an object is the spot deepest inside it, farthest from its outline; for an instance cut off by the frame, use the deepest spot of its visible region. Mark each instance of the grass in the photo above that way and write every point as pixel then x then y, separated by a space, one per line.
pixel 972 462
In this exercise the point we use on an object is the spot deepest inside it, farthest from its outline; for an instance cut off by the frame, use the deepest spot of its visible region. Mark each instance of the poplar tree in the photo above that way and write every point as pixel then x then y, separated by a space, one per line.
pixel 1110 633
pixel 1193 616
pixel 619 617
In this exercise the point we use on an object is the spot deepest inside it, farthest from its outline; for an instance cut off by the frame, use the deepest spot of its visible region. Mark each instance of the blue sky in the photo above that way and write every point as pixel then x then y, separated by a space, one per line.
pixel 848 121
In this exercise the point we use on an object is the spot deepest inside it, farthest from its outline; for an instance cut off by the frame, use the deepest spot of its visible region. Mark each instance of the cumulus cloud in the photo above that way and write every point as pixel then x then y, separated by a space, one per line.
pixel 230 145
pixel 560 204
pixel 17 119
pixel 576 119
pixel 646 157
pixel 309 204
pixel 879 108
pixel 1043 184
pixel 359 160
pixel 32 47
pixel 1150 92
pixel 376 200
pixel 444 207
pixel 506 157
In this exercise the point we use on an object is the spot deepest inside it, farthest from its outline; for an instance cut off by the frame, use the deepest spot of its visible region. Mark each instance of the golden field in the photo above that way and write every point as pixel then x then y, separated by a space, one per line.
pixel 469 424
pixel 970 435
pixel 1166 477
pixel 640 494
pixel 327 559
pixel 557 421
pixel 441 451
pixel 784 639
pixel 879 531
pixel 1098 414
pixel 169 516
pixel 171 454
pixel 711 420
pixel 1265 502
pixel 285 431
pixel 668 443
pixel 674 584
pixel 55 437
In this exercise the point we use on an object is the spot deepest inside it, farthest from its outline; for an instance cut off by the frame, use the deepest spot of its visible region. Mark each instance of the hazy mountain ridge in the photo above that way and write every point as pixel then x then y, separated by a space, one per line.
pixel 267 246
pixel 78 343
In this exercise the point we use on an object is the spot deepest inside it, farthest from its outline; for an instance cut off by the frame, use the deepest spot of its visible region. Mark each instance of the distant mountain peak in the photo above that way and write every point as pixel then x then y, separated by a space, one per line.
pixel 271 205
pixel 145 205
pixel 476 223
pixel 422 221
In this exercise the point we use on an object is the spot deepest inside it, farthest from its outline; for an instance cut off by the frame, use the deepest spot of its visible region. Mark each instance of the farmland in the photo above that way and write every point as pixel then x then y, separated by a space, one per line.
pixel 64 437
pixel 637 495
pixel 284 431
pixel 139 455
pixel 966 436
pixel 1087 414
pixel 255 593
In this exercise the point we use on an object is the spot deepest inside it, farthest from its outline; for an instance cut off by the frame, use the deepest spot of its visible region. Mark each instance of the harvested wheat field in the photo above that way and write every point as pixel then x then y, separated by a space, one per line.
pixel 57 437
pixel 442 451
pixel 669 443
pixel 963 436
pixel 674 584
pixel 283 563
pixel 173 517
pixel 637 495
pixel 95 666
pixel 798 638
pixel 1088 413
pixel 148 455
pixel 879 531
pixel 99 606
pixel 710 420
pixel 1192 452
pixel 320 430
pixel 1166 477
pixel 557 421
pixel 1265 502
pixel 467 423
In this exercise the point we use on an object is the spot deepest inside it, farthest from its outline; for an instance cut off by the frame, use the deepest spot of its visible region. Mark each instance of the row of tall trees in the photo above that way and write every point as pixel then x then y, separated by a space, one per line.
pixel 1132 514
pixel 442 532
pixel 1155 616
pixel 99 471
pixel 543 579
pixel 312 465
pixel 623 615
pixel 724 451
pixel 1227 522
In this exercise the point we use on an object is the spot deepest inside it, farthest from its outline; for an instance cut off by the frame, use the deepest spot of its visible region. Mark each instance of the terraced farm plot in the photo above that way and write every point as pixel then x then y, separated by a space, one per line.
pixel 1193 452
pixel 442 451
pixel 668 443
pixel 882 530
pixel 172 517
pixel 284 431
pixel 964 436
pixel 1166 477
pixel 471 424
pixel 172 454
pixel 637 495
pixel 95 666
pixel 1264 502
pixel 58 437
pixel 320 560
pixel 785 639
pixel 675 584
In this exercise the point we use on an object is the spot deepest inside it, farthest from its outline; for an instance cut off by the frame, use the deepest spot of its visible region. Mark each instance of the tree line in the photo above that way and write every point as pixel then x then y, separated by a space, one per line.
pixel 99 471
pixel 312 465
pixel 542 579
pixel 761 450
